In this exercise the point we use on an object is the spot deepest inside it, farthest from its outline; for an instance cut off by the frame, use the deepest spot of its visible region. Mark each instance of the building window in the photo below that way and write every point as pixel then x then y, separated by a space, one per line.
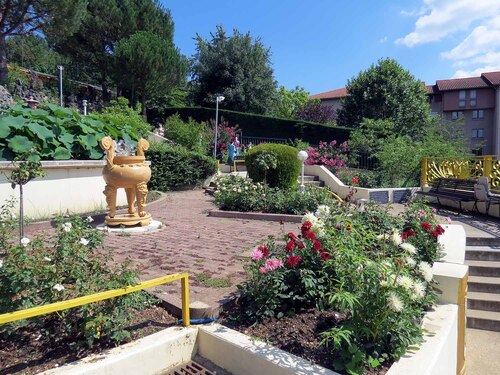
pixel 461 98
pixel 473 98
pixel 478 133
pixel 478 114
pixel 455 115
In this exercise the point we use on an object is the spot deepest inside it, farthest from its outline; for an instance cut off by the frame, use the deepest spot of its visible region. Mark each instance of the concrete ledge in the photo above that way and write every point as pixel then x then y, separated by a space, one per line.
pixel 256 216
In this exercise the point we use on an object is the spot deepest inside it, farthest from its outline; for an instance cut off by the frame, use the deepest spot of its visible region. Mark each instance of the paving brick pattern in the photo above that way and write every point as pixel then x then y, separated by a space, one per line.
pixel 193 242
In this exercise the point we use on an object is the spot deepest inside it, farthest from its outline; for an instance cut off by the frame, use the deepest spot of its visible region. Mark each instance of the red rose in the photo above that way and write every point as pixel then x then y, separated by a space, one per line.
pixel 435 233
pixel 404 236
pixel 300 245
pixel 426 226
pixel 310 235
pixel 306 227
pixel 292 236
pixel 290 246
pixel 355 180
pixel 264 249
pixel 292 261
pixel 439 229
pixel 338 226
pixel 317 245
pixel 410 232
pixel 325 255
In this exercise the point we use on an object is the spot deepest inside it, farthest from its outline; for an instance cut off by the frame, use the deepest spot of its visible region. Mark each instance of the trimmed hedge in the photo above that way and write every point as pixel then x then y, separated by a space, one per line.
pixel 287 167
pixel 175 166
pixel 253 125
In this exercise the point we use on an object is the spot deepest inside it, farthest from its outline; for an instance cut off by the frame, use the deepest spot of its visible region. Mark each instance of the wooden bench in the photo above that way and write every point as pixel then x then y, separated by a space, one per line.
pixel 452 189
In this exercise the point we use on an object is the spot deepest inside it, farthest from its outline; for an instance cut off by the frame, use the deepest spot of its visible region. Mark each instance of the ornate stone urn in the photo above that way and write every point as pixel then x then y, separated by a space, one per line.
pixel 131 173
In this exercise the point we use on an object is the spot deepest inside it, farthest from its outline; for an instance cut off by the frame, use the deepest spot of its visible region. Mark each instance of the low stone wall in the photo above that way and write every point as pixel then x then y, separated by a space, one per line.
pixel 380 195
pixel 73 186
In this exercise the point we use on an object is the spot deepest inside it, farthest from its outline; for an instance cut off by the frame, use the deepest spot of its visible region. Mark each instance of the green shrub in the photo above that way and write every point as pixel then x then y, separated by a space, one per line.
pixel 119 113
pixel 190 134
pixel 254 125
pixel 60 133
pixel 287 169
pixel 176 166
pixel 37 271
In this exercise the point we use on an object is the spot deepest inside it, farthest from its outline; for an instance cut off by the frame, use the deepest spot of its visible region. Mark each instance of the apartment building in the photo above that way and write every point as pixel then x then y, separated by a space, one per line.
pixel 473 100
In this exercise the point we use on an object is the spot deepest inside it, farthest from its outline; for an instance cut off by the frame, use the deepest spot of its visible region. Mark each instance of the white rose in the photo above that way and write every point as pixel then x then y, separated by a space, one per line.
pixel 58 287
pixel 84 241
pixel 25 241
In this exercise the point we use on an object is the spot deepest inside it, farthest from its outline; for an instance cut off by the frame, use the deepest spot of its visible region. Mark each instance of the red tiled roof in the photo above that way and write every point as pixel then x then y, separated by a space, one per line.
pixel 492 77
pixel 431 89
pixel 334 94
pixel 461 83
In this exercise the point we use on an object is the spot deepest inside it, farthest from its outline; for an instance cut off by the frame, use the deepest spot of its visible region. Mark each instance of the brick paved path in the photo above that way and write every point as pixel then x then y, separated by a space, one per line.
pixel 193 242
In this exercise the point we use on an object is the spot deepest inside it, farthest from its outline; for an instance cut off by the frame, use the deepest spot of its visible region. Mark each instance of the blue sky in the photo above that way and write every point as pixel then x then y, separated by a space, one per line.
pixel 320 44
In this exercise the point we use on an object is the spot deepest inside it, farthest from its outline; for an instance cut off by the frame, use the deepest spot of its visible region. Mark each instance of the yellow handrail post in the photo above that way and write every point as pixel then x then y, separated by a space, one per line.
pixel 424 172
pixel 488 166
pixel 217 164
pixel 234 166
pixel 186 320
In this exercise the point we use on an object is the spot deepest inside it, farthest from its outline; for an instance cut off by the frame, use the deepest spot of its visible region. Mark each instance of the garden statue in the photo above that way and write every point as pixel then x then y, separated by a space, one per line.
pixel 131 173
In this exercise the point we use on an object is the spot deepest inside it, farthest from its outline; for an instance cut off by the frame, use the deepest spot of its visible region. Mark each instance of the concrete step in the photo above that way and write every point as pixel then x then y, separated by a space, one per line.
pixel 484 284
pixel 309 178
pixel 316 183
pixel 483 301
pixel 488 320
pixel 485 253
pixel 483 268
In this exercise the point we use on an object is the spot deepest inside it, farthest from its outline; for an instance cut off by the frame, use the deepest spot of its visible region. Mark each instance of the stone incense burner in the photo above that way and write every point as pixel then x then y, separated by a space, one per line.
pixel 131 173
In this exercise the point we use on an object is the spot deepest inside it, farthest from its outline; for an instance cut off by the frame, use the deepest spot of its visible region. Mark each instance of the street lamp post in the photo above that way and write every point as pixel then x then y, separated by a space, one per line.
pixel 60 69
pixel 218 99
pixel 302 155
pixel 84 107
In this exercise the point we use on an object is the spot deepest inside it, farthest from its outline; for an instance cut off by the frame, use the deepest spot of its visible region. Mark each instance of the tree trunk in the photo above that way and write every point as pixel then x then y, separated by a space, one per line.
pixel 143 102
pixel 105 94
pixel 3 61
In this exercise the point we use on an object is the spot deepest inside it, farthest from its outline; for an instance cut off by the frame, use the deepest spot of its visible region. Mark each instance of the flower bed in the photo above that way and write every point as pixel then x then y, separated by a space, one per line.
pixel 236 193
pixel 372 269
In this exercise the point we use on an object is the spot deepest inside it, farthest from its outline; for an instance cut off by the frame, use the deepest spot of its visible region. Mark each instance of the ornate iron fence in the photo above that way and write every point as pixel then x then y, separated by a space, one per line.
pixel 464 168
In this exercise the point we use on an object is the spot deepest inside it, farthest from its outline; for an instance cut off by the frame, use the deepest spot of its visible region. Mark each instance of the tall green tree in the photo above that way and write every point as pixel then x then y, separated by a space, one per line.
pixel 105 23
pixel 386 91
pixel 289 102
pixel 150 64
pixel 237 67
pixel 23 17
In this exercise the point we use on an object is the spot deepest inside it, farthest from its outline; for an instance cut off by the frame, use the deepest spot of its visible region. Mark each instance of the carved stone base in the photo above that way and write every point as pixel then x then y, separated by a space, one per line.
pixel 128 220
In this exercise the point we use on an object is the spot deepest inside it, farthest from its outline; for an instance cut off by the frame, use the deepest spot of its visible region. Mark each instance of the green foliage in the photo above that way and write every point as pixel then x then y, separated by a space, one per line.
pixel 190 134
pixel 287 169
pixel 148 62
pixel 289 102
pixel 254 125
pixel 59 133
pixel 237 67
pixel 386 91
pixel 212 282
pixel 175 166
pixel 236 193
pixel 120 114
pixel 39 271
pixel 370 266
pixel 33 52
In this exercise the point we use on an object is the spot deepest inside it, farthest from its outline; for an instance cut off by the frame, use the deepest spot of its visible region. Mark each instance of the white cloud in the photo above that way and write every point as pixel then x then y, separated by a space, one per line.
pixel 480 50
pixel 383 40
pixel 445 17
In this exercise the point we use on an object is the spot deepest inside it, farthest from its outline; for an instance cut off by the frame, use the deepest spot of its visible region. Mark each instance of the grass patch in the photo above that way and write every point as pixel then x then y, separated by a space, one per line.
pixel 212 282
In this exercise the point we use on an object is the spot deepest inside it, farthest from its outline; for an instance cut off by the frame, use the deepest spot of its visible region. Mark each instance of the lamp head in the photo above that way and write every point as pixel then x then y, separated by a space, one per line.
pixel 302 155
pixel 220 98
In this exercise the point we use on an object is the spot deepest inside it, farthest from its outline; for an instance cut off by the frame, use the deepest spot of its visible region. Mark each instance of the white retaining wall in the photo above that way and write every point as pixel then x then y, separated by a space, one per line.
pixel 73 186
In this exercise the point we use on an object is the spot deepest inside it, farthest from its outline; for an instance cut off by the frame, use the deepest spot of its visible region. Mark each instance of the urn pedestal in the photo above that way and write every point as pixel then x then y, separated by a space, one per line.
pixel 131 173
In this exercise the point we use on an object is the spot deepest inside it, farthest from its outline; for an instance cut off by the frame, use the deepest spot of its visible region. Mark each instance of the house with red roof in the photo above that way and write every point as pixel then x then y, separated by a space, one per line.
pixel 475 100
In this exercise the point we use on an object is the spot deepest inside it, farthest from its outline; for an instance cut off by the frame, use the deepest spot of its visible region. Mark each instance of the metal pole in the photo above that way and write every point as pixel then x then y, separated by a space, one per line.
pixel 216 122
pixel 302 186
pixel 60 68
pixel 84 107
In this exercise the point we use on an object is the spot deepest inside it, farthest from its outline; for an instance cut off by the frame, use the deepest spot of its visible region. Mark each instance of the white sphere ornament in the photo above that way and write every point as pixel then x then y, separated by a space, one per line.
pixel 302 155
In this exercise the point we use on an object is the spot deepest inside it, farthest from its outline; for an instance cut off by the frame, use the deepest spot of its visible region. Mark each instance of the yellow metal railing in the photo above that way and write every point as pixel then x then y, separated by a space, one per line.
pixel 333 194
pixel 235 162
pixel 463 168
pixel 80 301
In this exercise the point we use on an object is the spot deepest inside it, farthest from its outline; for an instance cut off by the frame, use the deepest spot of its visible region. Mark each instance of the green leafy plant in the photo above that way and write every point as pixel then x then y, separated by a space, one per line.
pixel 59 133
pixel 44 270
pixel 190 134
pixel 175 166
pixel 284 175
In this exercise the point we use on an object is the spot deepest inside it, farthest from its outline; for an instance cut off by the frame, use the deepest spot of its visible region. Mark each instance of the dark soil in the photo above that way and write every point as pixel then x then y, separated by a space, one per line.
pixel 29 351
pixel 298 334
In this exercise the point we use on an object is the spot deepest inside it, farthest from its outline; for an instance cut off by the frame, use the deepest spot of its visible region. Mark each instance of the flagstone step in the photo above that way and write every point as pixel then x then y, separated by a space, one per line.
pixel 484 284
pixel 485 253
pixel 483 268
pixel 479 319
pixel 483 301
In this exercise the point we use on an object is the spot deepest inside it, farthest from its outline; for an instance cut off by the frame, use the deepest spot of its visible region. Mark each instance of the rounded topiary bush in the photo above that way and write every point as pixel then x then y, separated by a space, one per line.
pixel 287 169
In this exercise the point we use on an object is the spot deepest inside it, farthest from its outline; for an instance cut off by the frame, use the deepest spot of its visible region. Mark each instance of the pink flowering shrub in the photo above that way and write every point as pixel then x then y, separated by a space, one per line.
pixel 330 155
pixel 225 135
